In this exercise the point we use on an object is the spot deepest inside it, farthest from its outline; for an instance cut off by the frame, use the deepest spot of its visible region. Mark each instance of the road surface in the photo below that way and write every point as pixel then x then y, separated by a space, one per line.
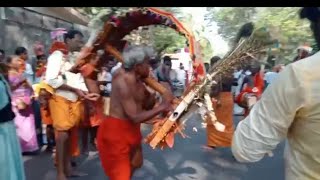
pixel 186 161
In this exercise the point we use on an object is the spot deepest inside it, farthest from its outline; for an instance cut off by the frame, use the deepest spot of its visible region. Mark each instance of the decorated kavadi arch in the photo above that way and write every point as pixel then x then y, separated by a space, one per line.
pixel 117 27
pixel 110 39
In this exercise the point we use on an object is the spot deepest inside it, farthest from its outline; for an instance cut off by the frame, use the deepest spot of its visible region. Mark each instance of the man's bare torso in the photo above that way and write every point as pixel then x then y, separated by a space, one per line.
pixel 137 90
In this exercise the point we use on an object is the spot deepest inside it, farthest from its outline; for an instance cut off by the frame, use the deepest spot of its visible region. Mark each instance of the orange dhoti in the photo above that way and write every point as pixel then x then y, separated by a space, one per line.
pixel 45 116
pixel 66 116
pixel 96 117
pixel 117 138
pixel 224 114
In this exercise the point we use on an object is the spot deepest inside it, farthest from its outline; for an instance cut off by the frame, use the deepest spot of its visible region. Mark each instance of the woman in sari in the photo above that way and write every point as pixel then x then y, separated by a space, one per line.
pixel 22 106
pixel 10 157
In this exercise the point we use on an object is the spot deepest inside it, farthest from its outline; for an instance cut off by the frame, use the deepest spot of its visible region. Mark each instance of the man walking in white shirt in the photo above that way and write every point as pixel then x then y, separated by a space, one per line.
pixel 65 104
pixel 289 108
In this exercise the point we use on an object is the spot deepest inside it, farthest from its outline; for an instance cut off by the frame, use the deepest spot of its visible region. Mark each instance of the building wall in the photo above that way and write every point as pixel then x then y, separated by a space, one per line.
pixel 21 27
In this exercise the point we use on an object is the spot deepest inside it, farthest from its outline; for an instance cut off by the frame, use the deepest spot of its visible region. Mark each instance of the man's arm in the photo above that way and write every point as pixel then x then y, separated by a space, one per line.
pixel 269 120
pixel 130 106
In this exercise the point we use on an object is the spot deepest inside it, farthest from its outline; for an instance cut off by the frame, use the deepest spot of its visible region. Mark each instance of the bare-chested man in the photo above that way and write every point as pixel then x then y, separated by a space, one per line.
pixel 119 136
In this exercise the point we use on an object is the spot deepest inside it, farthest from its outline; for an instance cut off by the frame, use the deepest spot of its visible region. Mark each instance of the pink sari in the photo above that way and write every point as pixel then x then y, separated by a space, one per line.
pixel 24 120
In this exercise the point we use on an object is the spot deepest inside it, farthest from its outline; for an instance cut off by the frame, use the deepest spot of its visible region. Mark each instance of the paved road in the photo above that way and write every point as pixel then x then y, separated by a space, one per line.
pixel 186 161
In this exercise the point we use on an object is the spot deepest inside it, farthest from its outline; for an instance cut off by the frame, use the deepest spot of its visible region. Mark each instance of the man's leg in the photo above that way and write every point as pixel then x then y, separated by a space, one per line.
pixel 72 150
pixel 93 135
pixel 50 138
pixel 84 139
pixel 136 159
pixel 61 141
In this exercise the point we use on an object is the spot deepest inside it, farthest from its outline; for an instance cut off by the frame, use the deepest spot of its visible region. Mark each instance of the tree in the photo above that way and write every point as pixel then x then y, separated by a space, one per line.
pixel 292 30
pixel 93 11
pixel 230 19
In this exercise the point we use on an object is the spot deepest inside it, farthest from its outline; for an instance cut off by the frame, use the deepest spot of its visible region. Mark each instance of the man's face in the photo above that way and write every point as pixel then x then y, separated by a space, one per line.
pixel 76 43
pixel 303 54
pixel 168 63
pixel 111 64
pixel 143 69
pixel 16 62
pixel 24 56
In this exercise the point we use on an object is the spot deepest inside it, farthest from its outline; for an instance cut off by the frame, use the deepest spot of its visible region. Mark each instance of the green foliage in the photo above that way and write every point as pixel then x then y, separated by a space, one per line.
pixel 166 39
pixel 291 30
pixel 93 11
pixel 230 19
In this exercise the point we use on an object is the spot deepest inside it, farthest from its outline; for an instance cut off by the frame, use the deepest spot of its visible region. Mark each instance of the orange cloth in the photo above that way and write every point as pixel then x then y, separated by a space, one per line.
pixel 95 118
pixel 115 141
pixel 65 114
pixel 58 46
pixel 224 114
pixel 258 83
pixel 45 116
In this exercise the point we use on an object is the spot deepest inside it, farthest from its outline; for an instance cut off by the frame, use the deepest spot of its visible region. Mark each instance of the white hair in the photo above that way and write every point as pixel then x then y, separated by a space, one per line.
pixel 136 54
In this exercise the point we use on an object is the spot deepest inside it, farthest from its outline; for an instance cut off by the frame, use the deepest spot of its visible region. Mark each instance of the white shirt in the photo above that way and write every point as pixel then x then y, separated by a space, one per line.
pixel 106 76
pixel 270 76
pixel 181 76
pixel 289 108
pixel 57 66
pixel 116 67
pixel 237 74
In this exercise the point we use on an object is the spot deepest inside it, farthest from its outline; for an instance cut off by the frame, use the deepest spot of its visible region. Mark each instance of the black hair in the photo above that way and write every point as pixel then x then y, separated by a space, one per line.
pixel 311 13
pixel 166 58
pixel 41 57
pixel 20 50
pixel 2 51
pixel 71 34
pixel 207 66
pixel 214 60
pixel 154 60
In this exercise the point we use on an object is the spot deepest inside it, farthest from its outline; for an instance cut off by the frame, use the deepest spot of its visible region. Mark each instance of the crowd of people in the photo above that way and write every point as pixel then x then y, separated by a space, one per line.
pixel 279 105
pixel 96 100
pixel 51 105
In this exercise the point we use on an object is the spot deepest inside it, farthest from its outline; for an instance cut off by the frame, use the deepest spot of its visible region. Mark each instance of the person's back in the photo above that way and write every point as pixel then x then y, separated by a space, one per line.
pixel 181 76
pixel 289 108
pixel 119 80
pixel 303 156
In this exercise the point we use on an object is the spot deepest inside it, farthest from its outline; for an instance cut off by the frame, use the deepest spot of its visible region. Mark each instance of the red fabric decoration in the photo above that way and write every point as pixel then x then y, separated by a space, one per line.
pixel 60 46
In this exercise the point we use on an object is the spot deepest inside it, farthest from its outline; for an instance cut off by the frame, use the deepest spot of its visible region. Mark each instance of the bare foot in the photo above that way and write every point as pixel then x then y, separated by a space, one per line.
pixel 208 148
pixel 70 172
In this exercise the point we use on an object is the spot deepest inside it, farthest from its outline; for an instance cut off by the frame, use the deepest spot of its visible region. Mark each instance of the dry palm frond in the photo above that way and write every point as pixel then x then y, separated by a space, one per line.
pixel 253 43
